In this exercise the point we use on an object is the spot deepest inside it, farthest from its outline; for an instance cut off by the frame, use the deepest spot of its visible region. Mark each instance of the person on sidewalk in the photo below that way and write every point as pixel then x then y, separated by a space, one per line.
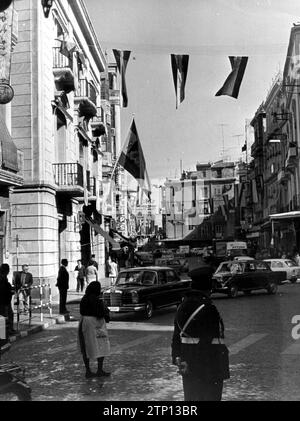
pixel 80 276
pixel 113 270
pixel 63 286
pixel 6 293
pixel 93 261
pixel 23 281
pixel 92 332
pixel 91 273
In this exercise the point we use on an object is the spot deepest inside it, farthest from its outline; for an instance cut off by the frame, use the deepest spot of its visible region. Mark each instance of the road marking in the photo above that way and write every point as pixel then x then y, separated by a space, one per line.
pixel 292 350
pixel 245 342
pixel 120 348
pixel 139 326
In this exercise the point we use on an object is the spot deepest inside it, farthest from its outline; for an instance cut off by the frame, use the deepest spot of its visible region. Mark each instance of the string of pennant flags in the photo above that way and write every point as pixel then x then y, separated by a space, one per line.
pixel 131 157
pixel 179 64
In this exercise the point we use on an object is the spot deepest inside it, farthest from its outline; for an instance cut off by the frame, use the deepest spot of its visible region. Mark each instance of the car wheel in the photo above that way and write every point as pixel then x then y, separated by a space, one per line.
pixel 249 292
pixel 293 279
pixel 149 310
pixel 272 288
pixel 233 291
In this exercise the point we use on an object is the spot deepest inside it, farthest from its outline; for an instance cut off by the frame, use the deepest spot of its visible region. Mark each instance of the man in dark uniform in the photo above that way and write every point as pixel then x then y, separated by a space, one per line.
pixel 198 333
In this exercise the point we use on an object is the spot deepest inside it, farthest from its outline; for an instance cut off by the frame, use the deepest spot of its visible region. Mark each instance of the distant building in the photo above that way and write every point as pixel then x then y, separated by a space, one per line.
pixel 198 205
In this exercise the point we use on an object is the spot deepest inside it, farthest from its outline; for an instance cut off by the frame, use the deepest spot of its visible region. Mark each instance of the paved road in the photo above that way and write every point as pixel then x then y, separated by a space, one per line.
pixel 265 359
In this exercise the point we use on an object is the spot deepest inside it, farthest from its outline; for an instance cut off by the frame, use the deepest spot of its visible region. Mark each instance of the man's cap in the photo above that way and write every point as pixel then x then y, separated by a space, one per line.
pixel 201 277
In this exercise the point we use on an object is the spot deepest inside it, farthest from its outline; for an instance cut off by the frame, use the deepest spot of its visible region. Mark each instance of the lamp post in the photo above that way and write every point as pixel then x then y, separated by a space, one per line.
pixel 47 4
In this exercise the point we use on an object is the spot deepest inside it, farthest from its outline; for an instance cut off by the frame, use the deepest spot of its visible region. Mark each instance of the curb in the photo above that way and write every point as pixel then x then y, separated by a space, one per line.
pixel 31 331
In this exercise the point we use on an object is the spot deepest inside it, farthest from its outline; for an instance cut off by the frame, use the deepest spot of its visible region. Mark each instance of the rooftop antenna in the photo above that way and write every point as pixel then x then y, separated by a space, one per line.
pixel 222 125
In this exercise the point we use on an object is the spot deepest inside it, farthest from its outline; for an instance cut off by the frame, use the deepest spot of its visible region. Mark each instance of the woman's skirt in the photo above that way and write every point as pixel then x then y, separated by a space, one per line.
pixel 93 338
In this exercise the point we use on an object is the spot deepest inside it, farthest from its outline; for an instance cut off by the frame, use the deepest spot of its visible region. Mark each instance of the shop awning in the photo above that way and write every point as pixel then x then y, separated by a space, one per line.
pixel 285 215
pixel 9 152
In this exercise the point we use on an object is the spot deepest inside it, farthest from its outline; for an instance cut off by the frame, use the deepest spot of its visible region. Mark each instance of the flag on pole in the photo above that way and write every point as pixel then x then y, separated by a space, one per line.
pixel 179 68
pixel 122 58
pixel 132 160
pixel 232 84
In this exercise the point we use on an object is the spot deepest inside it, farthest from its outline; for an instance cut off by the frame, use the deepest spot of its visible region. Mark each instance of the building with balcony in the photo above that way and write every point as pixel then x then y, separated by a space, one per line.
pixel 197 207
pixel 56 123
pixel 276 157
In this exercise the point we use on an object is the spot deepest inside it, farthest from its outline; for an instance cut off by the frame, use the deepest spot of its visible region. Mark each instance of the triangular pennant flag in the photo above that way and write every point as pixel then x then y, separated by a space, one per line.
pixel 122 58
pixel 232 84
pixel 179 68
pixel 132 160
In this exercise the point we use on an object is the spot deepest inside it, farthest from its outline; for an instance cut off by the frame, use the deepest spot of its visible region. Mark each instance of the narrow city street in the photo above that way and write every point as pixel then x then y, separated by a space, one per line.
pixel 263 355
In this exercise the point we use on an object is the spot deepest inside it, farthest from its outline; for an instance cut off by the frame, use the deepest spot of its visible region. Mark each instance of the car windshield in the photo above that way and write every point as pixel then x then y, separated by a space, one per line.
pixel 290 263
pixel 134 277
pixel 224 267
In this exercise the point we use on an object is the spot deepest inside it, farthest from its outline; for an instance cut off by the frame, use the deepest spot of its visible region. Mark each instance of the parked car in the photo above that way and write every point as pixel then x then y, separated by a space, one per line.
pixel 243 258
pixel 246 275
pixel 144 289
pixel 289 266
pixel 174 264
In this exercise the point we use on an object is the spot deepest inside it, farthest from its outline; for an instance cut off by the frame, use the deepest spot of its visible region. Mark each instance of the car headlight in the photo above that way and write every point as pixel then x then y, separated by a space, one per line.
pixel 135 297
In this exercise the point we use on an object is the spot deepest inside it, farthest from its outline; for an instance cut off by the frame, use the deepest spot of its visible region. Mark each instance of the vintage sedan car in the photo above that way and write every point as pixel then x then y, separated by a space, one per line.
pixel 248 275
pixel 288 265
pixel 143 289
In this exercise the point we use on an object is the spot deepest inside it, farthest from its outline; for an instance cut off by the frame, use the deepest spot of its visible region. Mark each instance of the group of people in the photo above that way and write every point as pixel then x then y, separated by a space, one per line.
pixel 197 345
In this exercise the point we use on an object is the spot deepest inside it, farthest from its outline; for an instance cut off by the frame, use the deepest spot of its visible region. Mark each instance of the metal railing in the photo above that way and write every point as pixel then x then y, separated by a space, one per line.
pixel 44 301
pixel 68 174
pixel 60 61
pixel 86 90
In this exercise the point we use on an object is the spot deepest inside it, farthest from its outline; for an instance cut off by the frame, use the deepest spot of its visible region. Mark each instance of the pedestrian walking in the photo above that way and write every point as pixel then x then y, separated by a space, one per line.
pixel 91 273
pixel 113 270
pixel 197 347
pixel 63 286
pixel 93 261
pixel 80 276
pixel 92 332
pixel 6 293
pixel 23 281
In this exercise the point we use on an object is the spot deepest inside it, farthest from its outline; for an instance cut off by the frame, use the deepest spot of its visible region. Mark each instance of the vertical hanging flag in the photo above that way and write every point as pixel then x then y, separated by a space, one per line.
pixel 232 84
pixel 122 58
pixel 179 68
pixel 132 160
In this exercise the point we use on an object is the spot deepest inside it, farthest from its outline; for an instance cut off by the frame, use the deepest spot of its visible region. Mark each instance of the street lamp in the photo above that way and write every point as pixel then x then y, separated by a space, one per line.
pixel 5 5
pixel 47 4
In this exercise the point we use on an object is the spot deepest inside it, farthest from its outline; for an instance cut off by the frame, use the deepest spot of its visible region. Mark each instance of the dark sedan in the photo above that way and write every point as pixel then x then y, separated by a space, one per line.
pixel 144 289
pixel 234 276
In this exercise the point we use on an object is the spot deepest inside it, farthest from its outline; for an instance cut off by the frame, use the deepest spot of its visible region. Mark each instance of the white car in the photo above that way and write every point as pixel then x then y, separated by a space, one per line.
pixel 243 258
pixel 290 267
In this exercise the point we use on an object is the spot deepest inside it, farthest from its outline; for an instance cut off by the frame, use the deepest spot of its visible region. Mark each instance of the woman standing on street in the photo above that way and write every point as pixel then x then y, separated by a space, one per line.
pixel 92 332
pixel 91 273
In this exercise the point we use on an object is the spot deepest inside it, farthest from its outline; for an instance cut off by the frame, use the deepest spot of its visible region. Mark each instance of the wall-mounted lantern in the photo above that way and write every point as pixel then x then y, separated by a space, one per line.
pixel 47 4
pixel 5 5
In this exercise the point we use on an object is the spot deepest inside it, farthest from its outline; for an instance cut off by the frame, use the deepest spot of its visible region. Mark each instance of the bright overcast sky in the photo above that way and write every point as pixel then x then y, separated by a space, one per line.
pixel 209 31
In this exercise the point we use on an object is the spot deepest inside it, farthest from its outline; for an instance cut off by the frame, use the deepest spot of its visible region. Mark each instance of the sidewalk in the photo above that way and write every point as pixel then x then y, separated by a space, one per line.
pixel 27 328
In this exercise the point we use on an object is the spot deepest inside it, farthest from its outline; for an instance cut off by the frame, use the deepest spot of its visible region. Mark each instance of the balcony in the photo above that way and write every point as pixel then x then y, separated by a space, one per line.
pixel 69 179
pixel 114 97
pixel 291 159
pixel 98 124
pixel 86 99
pixel 63 71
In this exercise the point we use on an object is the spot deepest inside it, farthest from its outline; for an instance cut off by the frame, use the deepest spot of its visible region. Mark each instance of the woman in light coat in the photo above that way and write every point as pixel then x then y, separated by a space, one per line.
pixel 91 273
pixel 92 333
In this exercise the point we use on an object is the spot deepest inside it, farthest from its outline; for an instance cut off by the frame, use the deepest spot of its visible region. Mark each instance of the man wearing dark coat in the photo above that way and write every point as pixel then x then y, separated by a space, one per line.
pixel 63 286
pixel 23 281
pixel 196 337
